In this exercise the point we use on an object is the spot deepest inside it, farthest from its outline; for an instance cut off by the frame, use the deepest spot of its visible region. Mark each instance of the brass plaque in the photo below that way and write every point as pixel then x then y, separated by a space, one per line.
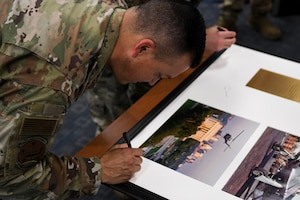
pixel 276 84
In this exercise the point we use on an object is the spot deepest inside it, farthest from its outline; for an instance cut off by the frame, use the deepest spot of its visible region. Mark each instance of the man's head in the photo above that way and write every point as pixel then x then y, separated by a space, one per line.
pixel 158 39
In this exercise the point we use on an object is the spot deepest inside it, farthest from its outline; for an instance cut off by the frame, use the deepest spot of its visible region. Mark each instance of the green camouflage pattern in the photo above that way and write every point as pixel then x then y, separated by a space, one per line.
pixel 51 51
pixel 109 99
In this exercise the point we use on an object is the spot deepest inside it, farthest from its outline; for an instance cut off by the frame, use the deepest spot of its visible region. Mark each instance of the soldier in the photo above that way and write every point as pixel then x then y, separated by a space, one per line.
pixel 258 19
pixel 51 52
pixel 109 99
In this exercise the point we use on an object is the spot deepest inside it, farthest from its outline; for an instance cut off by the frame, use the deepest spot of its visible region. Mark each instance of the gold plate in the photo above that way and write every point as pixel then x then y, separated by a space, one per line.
pixel 276 84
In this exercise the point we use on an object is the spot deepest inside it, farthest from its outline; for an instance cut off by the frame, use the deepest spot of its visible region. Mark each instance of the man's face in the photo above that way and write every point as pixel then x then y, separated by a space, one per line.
pixel 150 70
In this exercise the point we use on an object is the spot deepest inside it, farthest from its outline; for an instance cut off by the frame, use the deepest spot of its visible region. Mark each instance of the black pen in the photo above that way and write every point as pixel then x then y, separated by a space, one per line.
pixel 127 139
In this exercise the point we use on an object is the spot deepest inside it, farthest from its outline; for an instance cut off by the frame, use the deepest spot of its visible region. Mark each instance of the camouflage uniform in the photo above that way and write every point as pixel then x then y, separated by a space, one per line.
pixel 51 51
pixel 109 99
pixel 259 10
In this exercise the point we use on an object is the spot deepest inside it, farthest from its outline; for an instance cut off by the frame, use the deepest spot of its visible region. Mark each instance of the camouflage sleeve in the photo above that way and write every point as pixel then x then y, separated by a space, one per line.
pixel 80 176
pixel 34 96
pixel 29 119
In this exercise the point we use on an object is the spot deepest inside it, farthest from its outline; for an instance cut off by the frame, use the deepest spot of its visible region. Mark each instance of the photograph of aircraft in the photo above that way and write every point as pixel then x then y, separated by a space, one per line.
pixel 228 139
pixel 191 141
pixel 271 170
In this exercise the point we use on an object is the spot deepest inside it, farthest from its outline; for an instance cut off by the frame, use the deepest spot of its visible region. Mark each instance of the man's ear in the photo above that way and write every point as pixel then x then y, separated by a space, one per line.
pixel 143 46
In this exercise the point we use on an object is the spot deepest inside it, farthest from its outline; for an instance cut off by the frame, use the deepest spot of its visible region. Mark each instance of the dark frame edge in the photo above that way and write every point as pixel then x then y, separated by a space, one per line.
pixel 266 52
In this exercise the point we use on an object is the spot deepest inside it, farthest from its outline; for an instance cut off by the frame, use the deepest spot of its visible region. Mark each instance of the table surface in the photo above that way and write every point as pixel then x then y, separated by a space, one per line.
pixel 112 134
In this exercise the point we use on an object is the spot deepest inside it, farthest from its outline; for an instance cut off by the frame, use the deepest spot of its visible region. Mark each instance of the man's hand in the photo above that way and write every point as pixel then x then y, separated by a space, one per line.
pixel 120 163
pixel 217 40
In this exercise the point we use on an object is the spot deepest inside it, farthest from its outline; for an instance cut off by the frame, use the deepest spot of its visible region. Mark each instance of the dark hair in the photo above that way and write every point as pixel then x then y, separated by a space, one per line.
pixel 176 26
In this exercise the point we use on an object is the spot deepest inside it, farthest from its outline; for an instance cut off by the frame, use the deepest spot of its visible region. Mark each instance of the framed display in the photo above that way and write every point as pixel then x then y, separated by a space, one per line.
pixel 229 131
